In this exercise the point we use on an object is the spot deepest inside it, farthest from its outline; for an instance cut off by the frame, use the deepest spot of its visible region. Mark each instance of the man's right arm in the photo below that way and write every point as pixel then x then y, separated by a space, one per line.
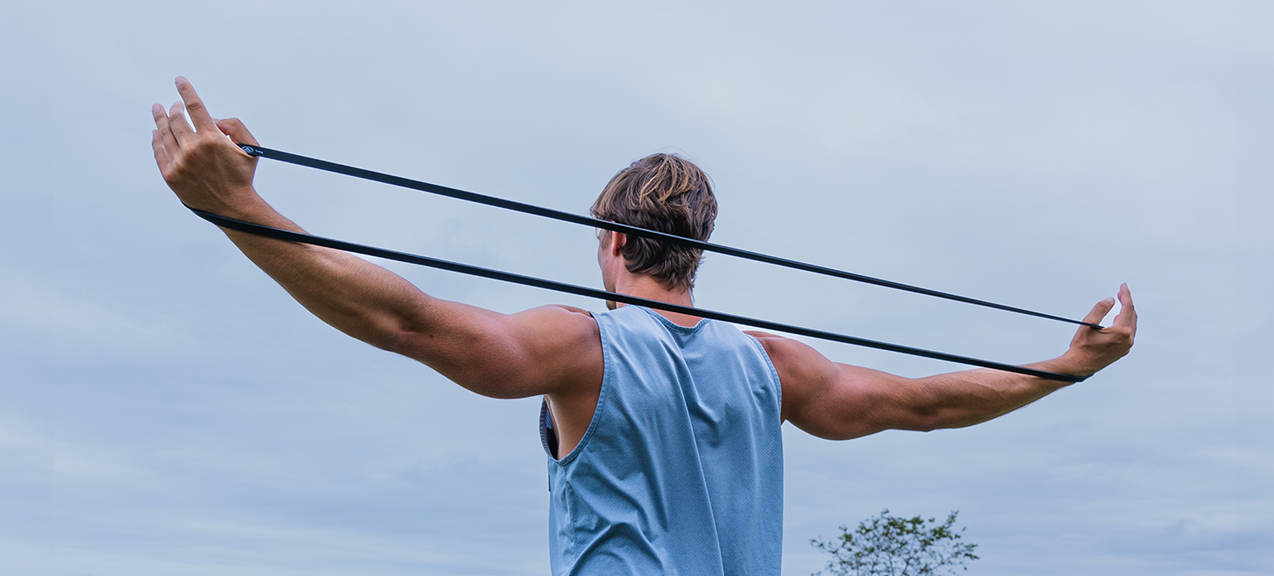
pixel 549 350
pixel 840 401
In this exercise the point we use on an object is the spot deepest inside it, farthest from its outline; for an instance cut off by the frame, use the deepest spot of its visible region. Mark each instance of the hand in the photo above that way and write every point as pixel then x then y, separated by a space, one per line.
pixel 1092 349
pixel 202 165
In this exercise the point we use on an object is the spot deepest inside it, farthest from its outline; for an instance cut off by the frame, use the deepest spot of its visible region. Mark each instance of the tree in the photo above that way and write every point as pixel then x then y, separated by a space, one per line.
pixel 891 546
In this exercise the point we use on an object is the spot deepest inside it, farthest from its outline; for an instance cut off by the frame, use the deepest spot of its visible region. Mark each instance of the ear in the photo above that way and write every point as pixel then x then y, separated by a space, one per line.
pixel 617 240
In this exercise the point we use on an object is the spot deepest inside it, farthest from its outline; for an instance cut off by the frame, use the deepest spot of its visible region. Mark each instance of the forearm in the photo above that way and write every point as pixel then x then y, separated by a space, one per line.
pixel 209 172
pixel 966 398
pixel 960 399
pixel 356 297
pixel 840 401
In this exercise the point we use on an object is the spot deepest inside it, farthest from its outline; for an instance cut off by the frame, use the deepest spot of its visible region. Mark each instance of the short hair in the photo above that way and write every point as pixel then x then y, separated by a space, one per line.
pixel 669 194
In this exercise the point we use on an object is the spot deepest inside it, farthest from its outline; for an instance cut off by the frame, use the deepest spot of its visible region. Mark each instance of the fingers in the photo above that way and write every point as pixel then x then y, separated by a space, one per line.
pixel 237 132
pixel 1099 311
pixel 161 155
pixel 181 130
pixel 194 105
pixel 164 129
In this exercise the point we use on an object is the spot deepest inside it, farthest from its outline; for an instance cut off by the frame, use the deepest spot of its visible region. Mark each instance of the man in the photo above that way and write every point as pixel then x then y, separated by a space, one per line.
pixel 663 430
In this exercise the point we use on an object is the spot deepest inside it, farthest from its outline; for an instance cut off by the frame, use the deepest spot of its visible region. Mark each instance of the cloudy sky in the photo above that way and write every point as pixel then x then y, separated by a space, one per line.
pixel 166 409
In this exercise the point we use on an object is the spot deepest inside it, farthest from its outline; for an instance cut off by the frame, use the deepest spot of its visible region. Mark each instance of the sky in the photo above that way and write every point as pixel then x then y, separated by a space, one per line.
pixel 166 409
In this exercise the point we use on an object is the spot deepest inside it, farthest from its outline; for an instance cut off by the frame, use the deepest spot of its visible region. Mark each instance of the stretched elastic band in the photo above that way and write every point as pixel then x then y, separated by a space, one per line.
pixel 259 151
pixel 276 233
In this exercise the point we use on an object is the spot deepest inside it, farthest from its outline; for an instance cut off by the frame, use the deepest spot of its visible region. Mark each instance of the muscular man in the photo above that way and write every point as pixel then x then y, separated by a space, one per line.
pixel 663 430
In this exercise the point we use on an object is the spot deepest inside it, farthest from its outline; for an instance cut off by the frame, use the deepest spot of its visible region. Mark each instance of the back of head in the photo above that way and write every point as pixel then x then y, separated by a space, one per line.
pixel 666 193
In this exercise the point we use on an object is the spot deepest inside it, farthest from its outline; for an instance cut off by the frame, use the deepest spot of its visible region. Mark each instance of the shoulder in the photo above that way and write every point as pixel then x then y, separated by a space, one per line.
pixel 560 313
pixel 828 399
pixel 543 350
pixel 802 370
pixel 563 344
pixel 791 357
pixel 555 327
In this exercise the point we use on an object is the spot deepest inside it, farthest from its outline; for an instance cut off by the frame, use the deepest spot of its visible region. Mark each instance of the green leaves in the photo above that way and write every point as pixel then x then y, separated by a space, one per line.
pixel 892 546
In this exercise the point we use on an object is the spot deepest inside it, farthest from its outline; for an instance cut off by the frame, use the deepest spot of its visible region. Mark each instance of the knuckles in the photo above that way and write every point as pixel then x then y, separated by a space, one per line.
pixel 175 169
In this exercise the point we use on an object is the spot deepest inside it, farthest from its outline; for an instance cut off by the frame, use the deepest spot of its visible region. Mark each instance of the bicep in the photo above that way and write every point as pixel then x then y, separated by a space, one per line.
pixel 840 401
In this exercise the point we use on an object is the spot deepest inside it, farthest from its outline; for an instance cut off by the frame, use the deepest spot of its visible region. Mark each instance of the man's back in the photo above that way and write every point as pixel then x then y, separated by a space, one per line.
pixel 681 469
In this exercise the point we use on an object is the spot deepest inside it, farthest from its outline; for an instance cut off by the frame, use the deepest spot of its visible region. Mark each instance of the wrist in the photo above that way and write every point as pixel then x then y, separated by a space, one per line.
pixel 1070 363
pixel 239 203
pixel 246 205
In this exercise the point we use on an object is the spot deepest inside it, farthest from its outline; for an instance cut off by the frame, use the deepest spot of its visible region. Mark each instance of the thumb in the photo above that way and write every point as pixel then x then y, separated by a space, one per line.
pixel 235 129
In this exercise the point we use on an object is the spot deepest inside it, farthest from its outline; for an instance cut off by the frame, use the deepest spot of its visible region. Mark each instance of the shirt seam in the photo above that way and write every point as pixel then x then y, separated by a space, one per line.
pixel 774 373
pixel 602 396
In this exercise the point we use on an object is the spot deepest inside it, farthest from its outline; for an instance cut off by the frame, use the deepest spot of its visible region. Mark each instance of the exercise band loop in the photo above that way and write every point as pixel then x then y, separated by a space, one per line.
pixel 281 156
pixel 270 232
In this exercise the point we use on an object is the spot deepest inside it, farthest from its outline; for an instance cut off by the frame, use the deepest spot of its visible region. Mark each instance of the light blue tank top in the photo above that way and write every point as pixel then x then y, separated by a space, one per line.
pixel 681 469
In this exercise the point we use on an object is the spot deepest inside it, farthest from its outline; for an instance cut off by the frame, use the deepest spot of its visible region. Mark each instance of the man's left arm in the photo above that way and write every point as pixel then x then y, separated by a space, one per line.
pixel 840 401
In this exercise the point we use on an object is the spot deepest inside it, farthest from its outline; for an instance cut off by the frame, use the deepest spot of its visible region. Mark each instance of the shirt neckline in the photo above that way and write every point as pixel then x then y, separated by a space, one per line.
pixel 673 325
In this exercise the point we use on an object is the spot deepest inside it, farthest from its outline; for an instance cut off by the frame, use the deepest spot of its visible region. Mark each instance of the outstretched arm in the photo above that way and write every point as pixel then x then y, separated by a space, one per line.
pixel 839 401
pixel 548 350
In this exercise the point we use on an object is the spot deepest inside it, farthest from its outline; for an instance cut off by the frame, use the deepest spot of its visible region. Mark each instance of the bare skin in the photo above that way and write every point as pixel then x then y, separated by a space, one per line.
pixel 555 351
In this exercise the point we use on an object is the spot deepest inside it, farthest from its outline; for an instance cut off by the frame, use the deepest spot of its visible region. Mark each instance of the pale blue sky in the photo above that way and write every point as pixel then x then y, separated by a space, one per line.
pixel 166 409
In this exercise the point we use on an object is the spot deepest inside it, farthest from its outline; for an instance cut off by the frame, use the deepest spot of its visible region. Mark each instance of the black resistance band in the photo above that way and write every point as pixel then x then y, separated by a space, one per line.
pixel 623 228
pixel 276 233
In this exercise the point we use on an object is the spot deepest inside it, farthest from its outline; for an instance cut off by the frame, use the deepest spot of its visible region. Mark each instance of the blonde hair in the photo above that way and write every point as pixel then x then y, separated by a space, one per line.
pixel 666 193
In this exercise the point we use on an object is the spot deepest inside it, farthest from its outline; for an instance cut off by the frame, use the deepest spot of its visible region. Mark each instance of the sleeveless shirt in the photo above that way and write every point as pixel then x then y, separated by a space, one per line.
pixel 681 468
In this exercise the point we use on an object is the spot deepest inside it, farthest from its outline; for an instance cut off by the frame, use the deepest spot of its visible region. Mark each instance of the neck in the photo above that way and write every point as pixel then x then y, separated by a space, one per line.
pixel 646 287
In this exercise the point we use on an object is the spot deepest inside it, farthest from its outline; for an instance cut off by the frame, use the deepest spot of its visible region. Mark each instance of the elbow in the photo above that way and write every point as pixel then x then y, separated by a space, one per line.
pixel 926 422
pixel 393 339
pixel 923 411
pixel 930 416
pixel 943 419
pixel 929 427
pixel 400 339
